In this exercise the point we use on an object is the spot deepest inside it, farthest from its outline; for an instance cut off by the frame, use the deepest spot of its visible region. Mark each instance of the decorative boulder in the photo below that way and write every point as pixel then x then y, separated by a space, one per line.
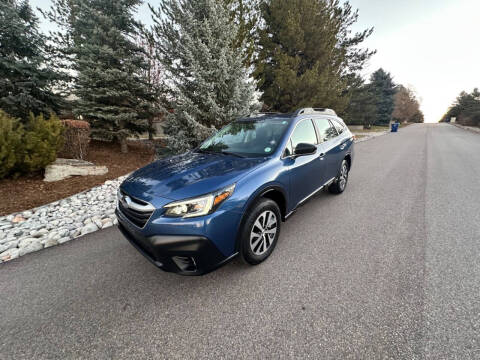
pixel 65 168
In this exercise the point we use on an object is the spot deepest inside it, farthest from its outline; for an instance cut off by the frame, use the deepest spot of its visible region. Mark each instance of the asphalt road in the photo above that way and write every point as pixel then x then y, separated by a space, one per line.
pixel 389 269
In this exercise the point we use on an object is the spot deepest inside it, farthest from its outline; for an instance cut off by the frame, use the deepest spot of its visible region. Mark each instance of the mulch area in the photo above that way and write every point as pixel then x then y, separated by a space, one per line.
pixel 29 192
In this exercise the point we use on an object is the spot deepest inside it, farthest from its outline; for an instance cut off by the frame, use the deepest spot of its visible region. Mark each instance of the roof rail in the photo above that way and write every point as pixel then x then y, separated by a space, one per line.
pixel 263 114
pixel 304 111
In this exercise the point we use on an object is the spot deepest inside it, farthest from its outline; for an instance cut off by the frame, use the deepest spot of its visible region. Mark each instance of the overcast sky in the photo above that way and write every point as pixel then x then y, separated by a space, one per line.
pixel 431 45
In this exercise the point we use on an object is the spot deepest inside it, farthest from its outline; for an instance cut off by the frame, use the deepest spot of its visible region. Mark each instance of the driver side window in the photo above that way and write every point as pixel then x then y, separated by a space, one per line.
pixel 304 133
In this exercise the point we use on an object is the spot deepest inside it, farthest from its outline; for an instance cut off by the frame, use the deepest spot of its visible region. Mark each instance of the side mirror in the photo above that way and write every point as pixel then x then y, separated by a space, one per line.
pixel 305 149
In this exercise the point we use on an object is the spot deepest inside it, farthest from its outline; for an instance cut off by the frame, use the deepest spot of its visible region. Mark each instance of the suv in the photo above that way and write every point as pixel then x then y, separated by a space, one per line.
pixel 193 212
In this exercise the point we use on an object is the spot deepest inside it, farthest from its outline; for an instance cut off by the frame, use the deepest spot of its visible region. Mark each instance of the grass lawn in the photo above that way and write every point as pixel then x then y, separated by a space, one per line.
pixel 374 128
pixel 29 192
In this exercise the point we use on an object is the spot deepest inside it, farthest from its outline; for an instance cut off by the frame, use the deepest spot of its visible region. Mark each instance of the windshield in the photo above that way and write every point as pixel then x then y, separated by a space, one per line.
pixel 247 138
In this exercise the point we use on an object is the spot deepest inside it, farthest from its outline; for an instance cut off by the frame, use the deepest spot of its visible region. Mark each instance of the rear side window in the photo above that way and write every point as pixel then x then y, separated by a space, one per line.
pixel 304 133
pixel 325 129
pixel 338 126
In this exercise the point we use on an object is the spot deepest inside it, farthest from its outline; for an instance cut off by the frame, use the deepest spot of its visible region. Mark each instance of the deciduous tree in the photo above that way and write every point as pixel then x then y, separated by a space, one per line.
pixel 406 106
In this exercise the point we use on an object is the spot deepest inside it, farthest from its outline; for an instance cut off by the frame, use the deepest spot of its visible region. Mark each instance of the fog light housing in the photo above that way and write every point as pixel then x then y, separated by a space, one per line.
pixel 185 263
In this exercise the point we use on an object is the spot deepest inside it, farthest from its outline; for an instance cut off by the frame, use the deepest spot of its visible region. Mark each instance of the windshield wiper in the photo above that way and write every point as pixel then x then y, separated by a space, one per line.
pixel 232 153
pixel 203 151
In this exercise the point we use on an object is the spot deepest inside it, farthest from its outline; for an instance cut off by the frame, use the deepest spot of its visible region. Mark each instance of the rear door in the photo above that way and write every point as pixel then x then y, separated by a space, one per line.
pixel 330 147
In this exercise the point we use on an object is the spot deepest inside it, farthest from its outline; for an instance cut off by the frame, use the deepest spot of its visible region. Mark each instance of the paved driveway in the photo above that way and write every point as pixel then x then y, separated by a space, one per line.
pixel 389 269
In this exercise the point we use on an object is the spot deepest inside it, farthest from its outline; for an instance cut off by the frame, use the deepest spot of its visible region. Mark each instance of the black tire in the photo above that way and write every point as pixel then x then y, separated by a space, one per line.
pixel 340 183
pixel 250 246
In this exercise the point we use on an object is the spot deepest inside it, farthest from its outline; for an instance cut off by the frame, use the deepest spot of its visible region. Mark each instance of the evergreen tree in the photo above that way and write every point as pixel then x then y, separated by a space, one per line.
pixel 26 80
pixel 307 54
pixel 154 77
pixel 383 89
pixel 361 109
pixel 99 36
pixel 466 108
pixel 208 82
pixel 246 16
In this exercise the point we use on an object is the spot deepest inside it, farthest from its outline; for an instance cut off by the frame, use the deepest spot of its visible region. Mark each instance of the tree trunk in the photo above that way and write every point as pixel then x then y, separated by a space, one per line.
pixel 150 129
pixel 123 146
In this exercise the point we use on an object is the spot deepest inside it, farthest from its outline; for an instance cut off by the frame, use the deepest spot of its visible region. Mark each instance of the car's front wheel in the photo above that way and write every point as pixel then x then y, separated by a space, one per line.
pixel 260 231
pixel 340 183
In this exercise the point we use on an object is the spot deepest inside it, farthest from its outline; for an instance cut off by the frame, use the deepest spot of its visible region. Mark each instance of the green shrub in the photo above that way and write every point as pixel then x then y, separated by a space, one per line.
pixel 41 142
pixel 11 134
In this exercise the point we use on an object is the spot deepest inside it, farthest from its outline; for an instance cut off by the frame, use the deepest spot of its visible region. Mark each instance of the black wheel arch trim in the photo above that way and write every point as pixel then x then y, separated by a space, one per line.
pixel 259 193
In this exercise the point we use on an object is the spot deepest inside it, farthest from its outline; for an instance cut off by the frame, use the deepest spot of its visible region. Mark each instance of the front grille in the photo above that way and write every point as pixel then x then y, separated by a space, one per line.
pixel 137 217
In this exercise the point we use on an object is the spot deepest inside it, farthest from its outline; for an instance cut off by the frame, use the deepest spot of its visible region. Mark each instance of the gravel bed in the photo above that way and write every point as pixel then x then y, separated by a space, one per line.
pixel 58 222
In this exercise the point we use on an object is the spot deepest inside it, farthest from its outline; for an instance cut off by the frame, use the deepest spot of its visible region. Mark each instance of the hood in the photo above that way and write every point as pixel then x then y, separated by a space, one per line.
pixel 187 175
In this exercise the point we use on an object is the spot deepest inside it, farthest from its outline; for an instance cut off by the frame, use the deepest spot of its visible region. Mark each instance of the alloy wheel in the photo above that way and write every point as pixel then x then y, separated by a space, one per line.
pixel 342 179
pixel 263 232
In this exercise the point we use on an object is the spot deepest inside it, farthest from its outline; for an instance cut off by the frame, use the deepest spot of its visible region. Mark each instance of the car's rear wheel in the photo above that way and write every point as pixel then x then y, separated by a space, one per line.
pixel 260 231
pixel 340 183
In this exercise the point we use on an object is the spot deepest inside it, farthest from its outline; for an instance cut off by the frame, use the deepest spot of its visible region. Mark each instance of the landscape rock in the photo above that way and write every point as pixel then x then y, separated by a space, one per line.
pixel 50 242
pixel 8 245
pixel 34 246
pixel 65 168
pixel 58 222
pixel 64 239
pixel 90 227
pixel 27 214
pixel 107 224
pixel 18 218
pixel 10 254
pixel 27 241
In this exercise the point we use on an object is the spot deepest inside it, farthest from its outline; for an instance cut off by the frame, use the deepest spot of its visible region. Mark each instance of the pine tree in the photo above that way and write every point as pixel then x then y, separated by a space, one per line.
pixel 154 76
pixel 99 36
pixel 307 54
pixel 208 82
pixel 26 80
pixel 383 87
pixel 466 108
pixel 246 16
pixel 361 109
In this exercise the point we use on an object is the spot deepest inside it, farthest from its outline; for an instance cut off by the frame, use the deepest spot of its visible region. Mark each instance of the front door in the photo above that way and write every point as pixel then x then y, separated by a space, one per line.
pixel 306 171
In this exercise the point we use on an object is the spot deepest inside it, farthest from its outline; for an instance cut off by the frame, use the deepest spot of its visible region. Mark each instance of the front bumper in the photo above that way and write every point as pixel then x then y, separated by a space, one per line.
pixel 182 254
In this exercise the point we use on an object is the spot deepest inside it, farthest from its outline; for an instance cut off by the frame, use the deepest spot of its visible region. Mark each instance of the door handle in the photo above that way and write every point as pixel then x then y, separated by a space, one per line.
pixel 321 156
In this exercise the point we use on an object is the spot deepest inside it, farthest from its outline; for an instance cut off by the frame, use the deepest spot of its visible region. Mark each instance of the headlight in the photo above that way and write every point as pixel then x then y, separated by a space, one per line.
pixel 202 205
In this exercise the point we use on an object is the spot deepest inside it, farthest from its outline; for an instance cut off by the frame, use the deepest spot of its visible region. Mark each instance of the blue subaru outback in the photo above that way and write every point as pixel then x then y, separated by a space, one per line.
pixel 193 212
